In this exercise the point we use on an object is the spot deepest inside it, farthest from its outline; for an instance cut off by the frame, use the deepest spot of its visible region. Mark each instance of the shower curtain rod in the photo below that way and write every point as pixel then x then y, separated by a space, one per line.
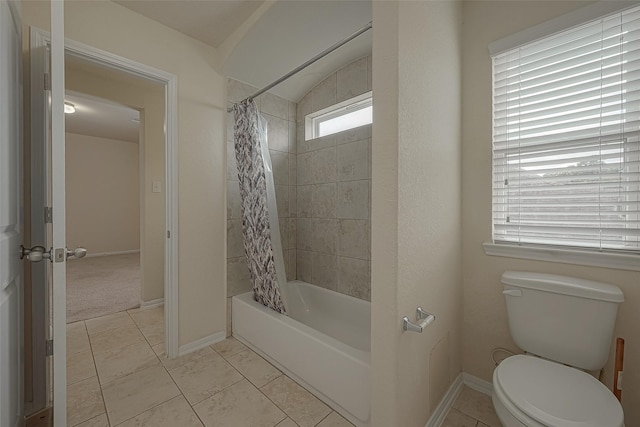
pixel 309 62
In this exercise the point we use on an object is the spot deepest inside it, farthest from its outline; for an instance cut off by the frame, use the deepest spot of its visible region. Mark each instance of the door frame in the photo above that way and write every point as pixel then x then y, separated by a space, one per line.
pixel 40 38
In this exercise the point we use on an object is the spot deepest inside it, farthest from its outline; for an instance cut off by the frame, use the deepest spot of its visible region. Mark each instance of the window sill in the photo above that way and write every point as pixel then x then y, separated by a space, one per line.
pixel 618 261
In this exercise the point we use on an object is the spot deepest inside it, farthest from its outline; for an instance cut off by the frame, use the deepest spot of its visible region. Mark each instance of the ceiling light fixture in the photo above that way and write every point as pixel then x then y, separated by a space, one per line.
pixel 69 108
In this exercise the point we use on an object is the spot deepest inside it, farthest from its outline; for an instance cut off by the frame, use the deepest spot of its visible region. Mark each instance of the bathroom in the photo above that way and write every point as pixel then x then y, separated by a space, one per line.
pixel 428 208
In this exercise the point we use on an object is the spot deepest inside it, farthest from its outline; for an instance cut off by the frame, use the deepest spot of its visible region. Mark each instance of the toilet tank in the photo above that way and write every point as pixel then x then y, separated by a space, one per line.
pixel 565 319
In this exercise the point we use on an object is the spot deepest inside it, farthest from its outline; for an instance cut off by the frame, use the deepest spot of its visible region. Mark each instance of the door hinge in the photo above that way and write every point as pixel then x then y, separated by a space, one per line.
pixel 48 215
pixel 49 348
pixel 47 81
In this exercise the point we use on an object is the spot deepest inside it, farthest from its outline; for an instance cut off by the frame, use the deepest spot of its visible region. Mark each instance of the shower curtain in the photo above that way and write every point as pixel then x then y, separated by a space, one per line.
pixel 258 230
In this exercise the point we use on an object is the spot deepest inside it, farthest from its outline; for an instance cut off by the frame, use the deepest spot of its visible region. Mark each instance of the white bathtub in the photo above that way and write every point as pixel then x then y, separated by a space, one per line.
pixel 324 344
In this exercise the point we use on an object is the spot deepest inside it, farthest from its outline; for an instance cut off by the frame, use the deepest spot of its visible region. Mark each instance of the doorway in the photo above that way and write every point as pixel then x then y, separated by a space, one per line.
pixel 167 248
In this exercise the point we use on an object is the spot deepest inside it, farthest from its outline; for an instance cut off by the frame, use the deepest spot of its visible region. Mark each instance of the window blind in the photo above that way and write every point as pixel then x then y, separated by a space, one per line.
pixel 566 138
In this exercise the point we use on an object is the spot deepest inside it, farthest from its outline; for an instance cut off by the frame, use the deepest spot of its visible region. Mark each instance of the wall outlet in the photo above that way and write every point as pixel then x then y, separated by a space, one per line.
pixel 156 187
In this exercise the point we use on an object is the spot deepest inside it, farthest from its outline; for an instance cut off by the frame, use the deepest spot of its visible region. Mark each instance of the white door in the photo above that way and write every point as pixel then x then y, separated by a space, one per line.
pixel 11 220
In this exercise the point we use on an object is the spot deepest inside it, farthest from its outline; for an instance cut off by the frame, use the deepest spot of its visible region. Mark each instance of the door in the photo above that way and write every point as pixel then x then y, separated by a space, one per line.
pixel 11 219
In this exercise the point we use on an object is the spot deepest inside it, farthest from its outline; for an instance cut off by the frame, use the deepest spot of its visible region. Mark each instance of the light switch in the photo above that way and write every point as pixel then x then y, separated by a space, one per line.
pixel 156 187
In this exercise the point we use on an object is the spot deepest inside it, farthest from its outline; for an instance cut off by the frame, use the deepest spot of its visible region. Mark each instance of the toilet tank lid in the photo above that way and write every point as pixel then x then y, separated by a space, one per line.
pixel 564 285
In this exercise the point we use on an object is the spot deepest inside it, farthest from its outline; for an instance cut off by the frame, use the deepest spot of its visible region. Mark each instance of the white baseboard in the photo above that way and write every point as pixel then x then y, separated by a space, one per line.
pixel 91 255
pixel 441 411
pixel 202 343
pixel 477 384
pixel 152 304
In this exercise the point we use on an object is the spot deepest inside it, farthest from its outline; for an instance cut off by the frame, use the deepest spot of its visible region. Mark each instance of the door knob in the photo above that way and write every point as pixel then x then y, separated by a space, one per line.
pixel 78 252
pixel 35 254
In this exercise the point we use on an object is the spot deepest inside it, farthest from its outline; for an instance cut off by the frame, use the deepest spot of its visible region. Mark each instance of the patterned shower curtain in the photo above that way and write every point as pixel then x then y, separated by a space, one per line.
pixel 258 247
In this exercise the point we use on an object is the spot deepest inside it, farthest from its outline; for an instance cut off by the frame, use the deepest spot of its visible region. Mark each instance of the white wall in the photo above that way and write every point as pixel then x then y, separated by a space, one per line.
pixel 416 236
pixel 103 209
pixel 485 317
pixel 201 146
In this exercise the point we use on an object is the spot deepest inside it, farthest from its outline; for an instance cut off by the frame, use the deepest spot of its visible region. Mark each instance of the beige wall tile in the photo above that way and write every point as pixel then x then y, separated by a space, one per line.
pixel 280 163
pixel 230 122
pixel 324 94
pixel 234 209
pixel 282 200
pixel 84 401
pixel 304 196
pixel 254 368
pixel 353 160
pixel 304 107
pixel 324 200
pixel 354 277
pixel 369 72
pixel 325 232
pixel 353 200
pixel 292 111
pixel 324 270
pixel 277 133
pixel 238 277
pixel 237 91
pixel 355 134
pixel 239 405
pixel 303 265
pixel 291 267
pixel 293 201
pixel 292 232
pixel 304 169
pixel 352 80
pixel 354 238
pixel 300 405
pixel 293 170
pixel 293 133
pixel 173 413
pixel 136 393
pixel 305 146
pixel 304 234
pixel 274 106
pixel 235 242
pixel 323 165
pixel 283 223
pixel 232 164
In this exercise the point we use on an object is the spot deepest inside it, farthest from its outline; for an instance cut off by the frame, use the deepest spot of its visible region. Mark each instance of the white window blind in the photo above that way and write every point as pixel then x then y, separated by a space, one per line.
pixel 566 138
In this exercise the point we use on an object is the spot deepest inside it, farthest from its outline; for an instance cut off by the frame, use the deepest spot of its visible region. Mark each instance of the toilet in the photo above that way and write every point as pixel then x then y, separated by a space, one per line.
pixel 565 325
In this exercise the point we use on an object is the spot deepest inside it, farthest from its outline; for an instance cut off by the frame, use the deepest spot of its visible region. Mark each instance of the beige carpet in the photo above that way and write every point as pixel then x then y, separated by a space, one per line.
pixel 102 285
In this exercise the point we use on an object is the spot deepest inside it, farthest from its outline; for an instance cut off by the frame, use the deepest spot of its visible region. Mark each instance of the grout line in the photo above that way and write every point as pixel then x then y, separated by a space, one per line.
pixel 95 366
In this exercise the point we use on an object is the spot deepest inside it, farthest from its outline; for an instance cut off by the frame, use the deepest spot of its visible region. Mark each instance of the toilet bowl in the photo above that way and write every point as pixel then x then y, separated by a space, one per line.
pixel 533 392
pixel 569 323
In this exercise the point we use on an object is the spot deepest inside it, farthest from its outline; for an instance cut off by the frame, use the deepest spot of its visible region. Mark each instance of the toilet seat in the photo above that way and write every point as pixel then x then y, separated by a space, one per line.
pixel 552 394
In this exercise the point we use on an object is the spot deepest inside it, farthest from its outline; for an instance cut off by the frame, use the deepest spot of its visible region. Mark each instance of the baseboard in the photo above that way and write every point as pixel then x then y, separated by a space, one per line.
pixel 152 304
pixel 441 411
pixel 202 343
pixel 477 384
pixel 91 255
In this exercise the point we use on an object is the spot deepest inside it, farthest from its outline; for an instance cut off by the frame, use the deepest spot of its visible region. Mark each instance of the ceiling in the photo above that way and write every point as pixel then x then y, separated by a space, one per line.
pixel 292 32
pixel 101 118
pixel 210 21
pixel 289 33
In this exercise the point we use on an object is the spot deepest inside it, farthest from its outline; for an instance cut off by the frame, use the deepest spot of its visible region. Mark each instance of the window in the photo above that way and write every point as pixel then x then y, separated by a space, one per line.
pixel 346 115
pixel 566 138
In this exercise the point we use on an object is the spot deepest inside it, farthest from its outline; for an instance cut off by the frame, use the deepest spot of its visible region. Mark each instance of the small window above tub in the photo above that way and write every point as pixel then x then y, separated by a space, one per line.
pixel 349 114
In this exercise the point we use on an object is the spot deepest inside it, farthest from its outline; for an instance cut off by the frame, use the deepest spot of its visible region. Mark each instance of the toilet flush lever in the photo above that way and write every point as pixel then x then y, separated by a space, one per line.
pixel 512 292
pixel 424 319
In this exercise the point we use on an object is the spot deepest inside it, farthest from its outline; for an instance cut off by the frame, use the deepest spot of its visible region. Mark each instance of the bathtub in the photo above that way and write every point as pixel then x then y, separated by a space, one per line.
pixel 324 344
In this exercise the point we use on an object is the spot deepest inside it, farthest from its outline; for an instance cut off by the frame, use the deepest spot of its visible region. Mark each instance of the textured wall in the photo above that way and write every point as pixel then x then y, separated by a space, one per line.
pixel 334 186
pixel 485 317
pixel 103 216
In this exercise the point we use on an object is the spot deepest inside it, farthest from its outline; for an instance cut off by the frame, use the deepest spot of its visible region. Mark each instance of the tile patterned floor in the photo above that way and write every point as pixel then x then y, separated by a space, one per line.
pixel 118 375
pixel 472 409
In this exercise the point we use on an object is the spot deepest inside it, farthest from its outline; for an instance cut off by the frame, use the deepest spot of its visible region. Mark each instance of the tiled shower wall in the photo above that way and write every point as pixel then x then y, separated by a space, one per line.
pixel 334 191
pixel 281 129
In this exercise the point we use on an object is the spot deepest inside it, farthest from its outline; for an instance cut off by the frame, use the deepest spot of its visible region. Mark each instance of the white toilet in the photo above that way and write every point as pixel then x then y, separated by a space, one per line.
pixel 563 321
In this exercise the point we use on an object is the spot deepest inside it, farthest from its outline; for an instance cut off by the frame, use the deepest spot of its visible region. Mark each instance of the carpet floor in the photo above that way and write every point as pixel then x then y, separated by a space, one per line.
pixel 102 285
